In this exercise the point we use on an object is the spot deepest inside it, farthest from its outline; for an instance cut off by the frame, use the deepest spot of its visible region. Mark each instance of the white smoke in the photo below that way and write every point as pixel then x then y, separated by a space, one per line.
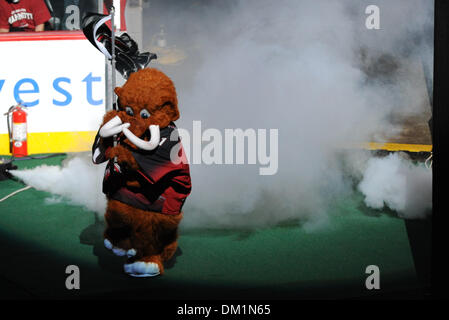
pixel 312 70
pixel 77 181
pixel 308 68
pixel 399 184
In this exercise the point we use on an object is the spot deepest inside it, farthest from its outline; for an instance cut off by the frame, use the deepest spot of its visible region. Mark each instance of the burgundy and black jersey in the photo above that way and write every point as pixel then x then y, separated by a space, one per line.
pixel 163 174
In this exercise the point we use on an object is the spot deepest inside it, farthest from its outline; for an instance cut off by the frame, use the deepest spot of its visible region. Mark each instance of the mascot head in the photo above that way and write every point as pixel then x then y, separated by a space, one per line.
pixel 146 101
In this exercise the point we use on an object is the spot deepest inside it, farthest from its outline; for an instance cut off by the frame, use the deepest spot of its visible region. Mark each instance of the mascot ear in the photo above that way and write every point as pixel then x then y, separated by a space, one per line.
pixel 118 91
pixel 165 115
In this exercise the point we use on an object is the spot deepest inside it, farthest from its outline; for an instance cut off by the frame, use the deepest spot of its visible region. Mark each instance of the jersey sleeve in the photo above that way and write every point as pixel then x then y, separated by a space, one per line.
pixel 99 149
pixel 168 157
pixel 155 166
pixel 40 12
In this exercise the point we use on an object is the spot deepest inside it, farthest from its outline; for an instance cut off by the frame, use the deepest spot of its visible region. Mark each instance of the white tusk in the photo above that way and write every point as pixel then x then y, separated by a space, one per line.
pixel 113 131
pixel 113 122
pixel 142 144
pixel 112 127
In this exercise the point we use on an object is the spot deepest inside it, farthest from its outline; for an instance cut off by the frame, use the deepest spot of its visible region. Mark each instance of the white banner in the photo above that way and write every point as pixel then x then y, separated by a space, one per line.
pixel 61 81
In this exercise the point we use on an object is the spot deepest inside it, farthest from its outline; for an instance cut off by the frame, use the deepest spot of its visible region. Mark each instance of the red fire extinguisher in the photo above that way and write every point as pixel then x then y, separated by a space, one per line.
pixel 18 132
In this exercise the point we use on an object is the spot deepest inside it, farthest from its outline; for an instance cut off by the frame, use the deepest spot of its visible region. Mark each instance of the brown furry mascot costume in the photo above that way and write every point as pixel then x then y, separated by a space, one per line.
pixel 147 178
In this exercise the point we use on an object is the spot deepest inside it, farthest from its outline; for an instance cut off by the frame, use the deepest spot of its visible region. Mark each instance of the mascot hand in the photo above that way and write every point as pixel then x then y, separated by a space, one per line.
pixel 112 125
pixel 123 156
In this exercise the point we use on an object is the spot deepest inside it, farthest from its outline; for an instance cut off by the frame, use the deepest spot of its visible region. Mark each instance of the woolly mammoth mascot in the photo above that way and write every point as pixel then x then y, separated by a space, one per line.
pixel 147 178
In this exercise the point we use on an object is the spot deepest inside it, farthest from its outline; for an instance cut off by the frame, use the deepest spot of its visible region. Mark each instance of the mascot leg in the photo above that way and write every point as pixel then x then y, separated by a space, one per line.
pixel 169 251
pixel 155 241
pixel 118 231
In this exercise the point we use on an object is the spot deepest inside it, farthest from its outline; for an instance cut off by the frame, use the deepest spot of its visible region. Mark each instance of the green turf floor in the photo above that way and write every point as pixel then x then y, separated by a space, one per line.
pixel 38 241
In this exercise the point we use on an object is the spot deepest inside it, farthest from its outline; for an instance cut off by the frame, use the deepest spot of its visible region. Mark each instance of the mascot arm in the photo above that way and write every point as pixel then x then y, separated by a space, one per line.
pixel 103 148
pixel 123 155
pixel 102 144
pixel 99 149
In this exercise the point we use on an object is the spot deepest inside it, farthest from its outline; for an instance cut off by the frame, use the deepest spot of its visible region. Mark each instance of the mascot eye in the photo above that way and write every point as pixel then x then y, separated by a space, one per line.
pixel 144 114
pixel 129 111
